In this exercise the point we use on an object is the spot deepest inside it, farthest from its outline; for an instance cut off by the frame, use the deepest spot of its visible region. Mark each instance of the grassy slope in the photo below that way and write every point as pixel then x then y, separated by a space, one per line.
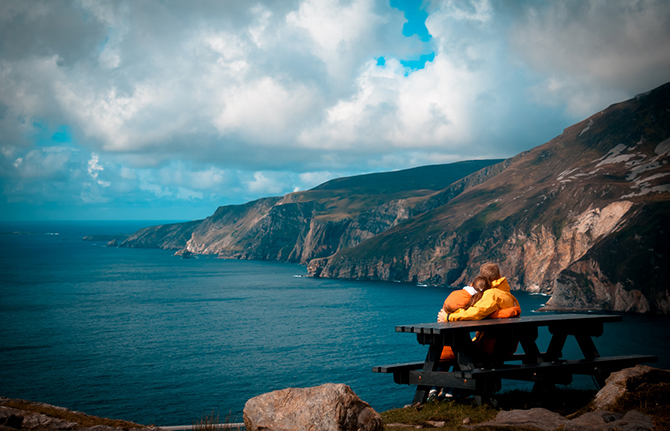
pixel 347 197
pixel 433 177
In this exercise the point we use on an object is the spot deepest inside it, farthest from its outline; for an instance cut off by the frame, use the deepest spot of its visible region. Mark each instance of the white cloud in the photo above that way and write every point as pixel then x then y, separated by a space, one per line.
pixel 262 111
pixel 595 53
pixel 228 101
pixel 310 180
pixel 94 166
pixel 42 164
pixel 265 183
pixel 475 10
pixel 208 179
pixel 335 28
pixel 188 195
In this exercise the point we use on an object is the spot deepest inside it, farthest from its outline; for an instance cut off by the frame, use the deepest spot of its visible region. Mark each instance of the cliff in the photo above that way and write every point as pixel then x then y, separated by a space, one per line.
pixel 305 225
pixel 581 217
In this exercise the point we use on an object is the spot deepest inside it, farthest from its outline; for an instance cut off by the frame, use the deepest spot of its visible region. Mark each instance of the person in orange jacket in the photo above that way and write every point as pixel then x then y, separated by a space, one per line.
pixel 466 297
pixel 496 302
pixel 492 302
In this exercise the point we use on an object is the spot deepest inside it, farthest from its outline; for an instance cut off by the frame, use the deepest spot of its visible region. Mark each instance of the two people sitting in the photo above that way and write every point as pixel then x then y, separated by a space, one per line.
pixel 487 297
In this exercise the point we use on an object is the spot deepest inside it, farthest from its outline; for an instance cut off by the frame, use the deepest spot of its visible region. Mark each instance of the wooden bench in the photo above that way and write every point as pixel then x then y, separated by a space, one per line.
pixel 472 376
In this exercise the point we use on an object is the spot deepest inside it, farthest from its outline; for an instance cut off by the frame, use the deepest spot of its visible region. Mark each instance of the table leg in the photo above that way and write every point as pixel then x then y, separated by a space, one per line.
pixel 588 348
pixel 532 353
pixel 555 349
pixel 431 364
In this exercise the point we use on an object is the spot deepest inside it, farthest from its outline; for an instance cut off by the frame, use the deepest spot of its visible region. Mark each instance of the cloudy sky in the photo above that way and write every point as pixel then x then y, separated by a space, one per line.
pixel 164 110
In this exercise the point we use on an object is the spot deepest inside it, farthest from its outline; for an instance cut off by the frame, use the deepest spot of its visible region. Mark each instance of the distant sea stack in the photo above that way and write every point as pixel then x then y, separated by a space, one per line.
pixel 583 217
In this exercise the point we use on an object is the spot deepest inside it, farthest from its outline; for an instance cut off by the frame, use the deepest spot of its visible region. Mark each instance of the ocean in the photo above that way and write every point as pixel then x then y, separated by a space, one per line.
pixel 145 336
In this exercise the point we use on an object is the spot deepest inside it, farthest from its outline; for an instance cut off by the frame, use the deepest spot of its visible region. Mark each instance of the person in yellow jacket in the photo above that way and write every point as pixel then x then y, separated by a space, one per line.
pixel 495 303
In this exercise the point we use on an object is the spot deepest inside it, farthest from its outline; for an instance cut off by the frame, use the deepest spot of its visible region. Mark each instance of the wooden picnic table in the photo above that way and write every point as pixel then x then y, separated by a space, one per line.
pixel 481 378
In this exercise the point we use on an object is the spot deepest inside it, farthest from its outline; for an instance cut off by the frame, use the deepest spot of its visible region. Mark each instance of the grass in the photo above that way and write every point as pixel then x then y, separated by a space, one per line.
pixel 451 412
pixel 211 422
pixel 456 412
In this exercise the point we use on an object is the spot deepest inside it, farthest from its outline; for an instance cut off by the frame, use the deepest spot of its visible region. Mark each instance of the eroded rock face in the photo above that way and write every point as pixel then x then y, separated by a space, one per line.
pixel 25 415
pixel 329 407
pixel 628 381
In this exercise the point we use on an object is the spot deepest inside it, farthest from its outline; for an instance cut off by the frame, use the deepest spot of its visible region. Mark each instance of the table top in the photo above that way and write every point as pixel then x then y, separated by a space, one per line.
pixel 441 328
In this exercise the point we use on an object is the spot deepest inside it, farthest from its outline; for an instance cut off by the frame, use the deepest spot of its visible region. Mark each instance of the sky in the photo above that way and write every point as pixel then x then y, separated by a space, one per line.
pixel 167 109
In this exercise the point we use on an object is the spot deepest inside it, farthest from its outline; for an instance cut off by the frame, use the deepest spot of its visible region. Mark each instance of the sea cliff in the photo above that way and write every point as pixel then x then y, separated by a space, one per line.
pixel 582 217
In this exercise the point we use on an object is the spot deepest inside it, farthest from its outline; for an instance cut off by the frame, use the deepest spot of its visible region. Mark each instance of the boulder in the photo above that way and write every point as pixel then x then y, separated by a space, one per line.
pixel 603 420
pixel 545 420
pixel 630 381
pixel 19 419
pixel 537 418
pixel 329 407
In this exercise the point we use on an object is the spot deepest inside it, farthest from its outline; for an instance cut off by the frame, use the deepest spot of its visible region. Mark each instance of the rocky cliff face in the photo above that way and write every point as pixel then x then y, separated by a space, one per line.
pixel 302 226
pixel 553 219
pixel 622 271
pixel 580 217
pixel 170 236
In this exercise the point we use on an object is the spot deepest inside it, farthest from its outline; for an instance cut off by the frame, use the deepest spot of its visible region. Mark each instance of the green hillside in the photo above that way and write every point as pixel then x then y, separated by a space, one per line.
pixel 432 177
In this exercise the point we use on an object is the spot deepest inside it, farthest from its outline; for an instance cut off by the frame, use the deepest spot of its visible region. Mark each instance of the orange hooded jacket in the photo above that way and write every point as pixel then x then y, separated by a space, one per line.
pixel 495 303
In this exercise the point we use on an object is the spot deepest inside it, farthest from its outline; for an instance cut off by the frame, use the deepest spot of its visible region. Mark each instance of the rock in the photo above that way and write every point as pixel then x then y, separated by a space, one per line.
pixel 324 408
pixel 623 382
pixel 185 254
pixel 112 243
pixel 10 417
pixel 436 424
pixel 27 415
pixel 545 420
pixel 606 420
pixel 536 418
pixel 20 419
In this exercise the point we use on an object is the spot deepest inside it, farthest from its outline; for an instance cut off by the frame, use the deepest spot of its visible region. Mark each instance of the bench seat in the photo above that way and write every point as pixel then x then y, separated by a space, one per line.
pixel 560 371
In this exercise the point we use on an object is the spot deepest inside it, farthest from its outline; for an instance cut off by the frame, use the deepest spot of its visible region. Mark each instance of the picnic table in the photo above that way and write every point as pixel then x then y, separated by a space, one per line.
pixel 472 376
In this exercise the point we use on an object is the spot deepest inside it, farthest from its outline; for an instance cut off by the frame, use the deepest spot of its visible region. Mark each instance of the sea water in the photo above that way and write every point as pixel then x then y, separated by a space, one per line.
pixel 145 336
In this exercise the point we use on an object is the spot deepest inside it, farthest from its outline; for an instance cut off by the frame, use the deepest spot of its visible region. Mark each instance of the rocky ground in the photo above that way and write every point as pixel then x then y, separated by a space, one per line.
pixel 28 415
pixel 634 399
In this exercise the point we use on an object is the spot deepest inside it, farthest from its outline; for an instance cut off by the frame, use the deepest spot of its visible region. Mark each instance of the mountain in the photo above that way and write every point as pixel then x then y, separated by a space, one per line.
pixel 584 217
pixel 336 215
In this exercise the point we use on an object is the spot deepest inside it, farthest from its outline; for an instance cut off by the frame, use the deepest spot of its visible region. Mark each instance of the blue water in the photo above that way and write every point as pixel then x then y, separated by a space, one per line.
pixel 145 336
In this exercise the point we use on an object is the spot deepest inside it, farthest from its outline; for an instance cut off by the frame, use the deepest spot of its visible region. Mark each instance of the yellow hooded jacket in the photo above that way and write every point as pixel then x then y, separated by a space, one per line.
pixel 494 299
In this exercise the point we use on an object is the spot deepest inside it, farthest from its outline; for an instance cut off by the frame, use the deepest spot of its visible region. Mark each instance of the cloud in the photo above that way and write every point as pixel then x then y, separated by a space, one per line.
pixel 265 184
pixel 594 53
pixel 131 103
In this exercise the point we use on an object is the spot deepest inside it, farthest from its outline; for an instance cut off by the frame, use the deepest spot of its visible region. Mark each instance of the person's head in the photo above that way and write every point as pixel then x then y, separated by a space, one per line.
pixel 490 271
pixel 481 284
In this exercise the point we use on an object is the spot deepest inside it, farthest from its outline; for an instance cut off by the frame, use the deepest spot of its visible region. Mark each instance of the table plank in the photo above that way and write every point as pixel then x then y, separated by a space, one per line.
pixel 555 320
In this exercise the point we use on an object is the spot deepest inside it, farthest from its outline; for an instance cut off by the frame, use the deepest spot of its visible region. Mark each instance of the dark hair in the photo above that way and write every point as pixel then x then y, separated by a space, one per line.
pixel 481 284
pixel 490 271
